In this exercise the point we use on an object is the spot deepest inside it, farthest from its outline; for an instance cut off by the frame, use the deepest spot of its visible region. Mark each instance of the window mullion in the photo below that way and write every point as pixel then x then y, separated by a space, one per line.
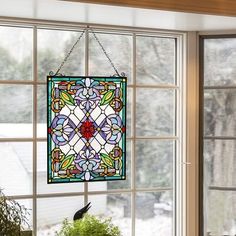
pixel 35 130
pixel 133 163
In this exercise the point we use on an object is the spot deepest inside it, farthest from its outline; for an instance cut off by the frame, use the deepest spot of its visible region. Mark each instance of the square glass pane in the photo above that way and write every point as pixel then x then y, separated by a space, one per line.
pixel 42 186
pixel 154 214
pixel 220 163
pixel 17 171
pixel 16 53
pixel 119 49
pixel 155 60
pixel 16 111
pixel 220 217
pixel 51 212
pixel 129 115
pixel 53 46
pixel 42 111
pixel 154 163
pixel 28 204
pixel 122 184
pixel 219 62
pixel 116 206
pixel 155 112
pixel 220 112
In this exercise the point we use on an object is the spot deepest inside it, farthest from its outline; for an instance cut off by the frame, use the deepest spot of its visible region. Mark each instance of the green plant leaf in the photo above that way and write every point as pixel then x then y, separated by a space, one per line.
pixel 67 162
pixel 107 160
pixel 67 98
pixel 108 96
pixel 89 225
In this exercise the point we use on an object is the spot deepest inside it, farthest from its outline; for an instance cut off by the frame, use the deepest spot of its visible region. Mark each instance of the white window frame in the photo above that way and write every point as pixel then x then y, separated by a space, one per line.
pixel 183 121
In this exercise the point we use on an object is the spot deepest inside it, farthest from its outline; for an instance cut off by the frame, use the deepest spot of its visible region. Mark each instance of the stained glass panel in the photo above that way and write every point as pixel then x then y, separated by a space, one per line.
pixel 86 128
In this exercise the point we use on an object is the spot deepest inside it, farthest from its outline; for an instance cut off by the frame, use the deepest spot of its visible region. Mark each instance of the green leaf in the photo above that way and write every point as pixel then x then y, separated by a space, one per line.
pixel 107 160
pixel 67 162
pixel 108 96
pixel 67 98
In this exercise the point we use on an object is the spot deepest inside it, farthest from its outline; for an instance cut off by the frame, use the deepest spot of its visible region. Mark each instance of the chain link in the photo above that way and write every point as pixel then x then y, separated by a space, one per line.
pixel 104 51
pixel 71 50
pixel 77 41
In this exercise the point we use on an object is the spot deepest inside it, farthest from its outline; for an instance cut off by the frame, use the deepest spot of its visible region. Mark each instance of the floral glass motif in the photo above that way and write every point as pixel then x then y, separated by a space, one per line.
pixel 86 128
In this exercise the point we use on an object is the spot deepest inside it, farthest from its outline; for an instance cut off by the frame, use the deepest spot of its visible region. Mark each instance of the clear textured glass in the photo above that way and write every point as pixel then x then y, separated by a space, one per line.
pixel 154 214
pixel 53 46
pixel 51 212
pixel 123 184
pixel 155 60
pixel 154 163
pixel 219 62
pixel 16 111
pixel 220 112
pixel 17 169
pixel 16 53
pixel 42 185
pixel 119 49
pixel 116 206
pixel 155 112
pixel 220 208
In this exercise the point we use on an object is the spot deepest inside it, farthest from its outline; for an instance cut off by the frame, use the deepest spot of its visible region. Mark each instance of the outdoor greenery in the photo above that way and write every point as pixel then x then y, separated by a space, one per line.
pixel 89 225
pixel 13 216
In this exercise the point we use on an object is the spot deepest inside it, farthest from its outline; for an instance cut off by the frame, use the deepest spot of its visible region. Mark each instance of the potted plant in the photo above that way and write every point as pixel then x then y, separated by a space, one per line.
pixel 89 225
pixel 12 217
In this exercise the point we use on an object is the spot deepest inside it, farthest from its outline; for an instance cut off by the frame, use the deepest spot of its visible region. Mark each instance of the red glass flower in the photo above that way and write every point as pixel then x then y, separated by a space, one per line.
pixel 87 129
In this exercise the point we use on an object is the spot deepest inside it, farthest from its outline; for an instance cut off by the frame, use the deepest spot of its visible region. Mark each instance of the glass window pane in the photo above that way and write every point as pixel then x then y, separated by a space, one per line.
pixel 129 115
pixel 17 171
pixel 155 112
pixel 154 214
pixel 123 184
pixel 219 120
pixel 116 206
pixel 154 163
pixel 16 107
pixel 119 49
pixel 220 217
pixel 220 163
pixel 53 46
pixel 52 211
pixel 16 53
pixel 28 204
pixel 42 111
pixel 220 112
pixel 155 60
pixel 42 185
pixel 219 62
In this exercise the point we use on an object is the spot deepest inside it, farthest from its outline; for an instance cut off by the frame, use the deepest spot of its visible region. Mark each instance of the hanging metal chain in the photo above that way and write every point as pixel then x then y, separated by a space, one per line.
pixel 104 51
pixel 68 54
pixel 74 45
